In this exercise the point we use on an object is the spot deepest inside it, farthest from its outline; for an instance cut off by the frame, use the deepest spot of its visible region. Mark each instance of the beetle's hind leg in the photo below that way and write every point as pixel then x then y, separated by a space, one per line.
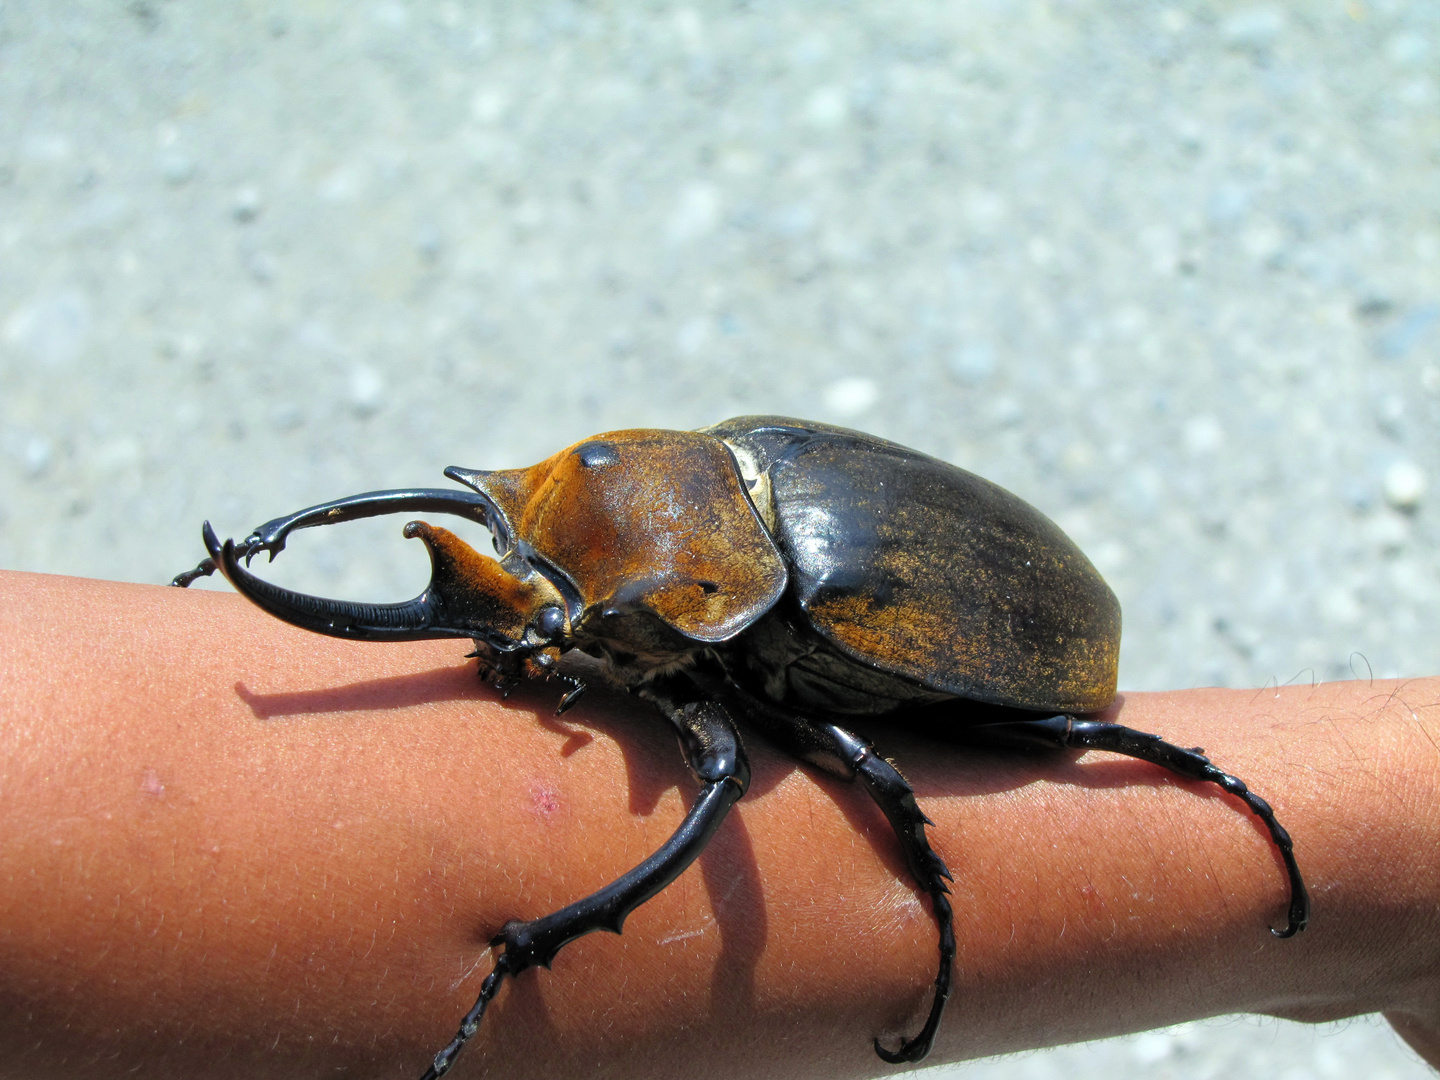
pixel 713 750
pixel 1068 732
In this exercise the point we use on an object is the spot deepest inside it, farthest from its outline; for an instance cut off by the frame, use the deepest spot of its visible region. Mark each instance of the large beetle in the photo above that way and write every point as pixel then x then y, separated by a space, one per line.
pixel 767 572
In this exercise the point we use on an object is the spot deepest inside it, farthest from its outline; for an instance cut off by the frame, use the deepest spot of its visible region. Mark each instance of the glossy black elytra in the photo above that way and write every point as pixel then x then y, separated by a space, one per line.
pixel 767 572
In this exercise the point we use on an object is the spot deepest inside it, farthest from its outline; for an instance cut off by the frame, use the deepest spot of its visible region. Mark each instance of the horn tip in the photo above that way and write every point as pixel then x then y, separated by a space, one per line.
pixel 468 477
pixel 212 542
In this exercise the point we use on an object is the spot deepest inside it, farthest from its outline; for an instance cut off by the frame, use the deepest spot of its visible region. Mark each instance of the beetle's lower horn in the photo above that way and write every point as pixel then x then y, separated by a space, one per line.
pixel 409 621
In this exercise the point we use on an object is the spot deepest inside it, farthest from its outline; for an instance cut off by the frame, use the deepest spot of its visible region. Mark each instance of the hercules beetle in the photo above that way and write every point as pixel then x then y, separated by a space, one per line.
pixel 771 572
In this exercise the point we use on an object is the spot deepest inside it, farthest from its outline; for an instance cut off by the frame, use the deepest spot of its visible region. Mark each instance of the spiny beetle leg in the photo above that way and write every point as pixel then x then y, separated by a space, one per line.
pixel 713 751
pixel 576 691
pixel 246 550
pixel 896 799
pixel 189 577
pixel 471 1021
pixel 1067 732
pixel 844 754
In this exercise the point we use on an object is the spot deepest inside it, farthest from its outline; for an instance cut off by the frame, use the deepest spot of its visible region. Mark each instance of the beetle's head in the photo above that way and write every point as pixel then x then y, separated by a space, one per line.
pixel 645 540
pixel 650 523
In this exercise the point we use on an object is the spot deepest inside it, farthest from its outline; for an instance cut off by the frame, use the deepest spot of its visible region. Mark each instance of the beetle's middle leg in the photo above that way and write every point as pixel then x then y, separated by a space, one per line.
pixel 844 754
pixel 713 750
pixel 1069 732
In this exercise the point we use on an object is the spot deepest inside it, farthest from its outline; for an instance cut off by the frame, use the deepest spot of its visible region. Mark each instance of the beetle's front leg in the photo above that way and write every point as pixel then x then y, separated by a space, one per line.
pixel 713 750
pixel 1068 732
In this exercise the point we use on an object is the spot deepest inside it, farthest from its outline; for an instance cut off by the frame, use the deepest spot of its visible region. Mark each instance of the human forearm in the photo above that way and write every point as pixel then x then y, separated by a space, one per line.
pixel 236 845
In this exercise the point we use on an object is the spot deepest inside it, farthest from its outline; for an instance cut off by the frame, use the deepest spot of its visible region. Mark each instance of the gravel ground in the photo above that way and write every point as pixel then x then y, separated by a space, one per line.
pixel 1170 273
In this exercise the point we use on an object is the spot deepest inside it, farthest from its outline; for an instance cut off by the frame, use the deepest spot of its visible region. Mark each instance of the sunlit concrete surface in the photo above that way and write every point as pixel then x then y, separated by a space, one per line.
pixel 1219 1049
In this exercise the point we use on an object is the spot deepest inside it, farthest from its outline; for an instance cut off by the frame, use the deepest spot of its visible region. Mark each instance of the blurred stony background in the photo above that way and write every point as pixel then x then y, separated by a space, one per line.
pixel 1170 273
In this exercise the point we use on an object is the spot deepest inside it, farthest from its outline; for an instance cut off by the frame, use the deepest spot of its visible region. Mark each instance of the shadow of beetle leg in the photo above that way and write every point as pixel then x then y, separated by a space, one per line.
pixel 713 751
pixel 1066 732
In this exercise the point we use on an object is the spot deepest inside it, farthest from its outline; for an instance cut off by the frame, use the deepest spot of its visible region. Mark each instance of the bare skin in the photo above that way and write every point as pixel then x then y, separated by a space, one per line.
pixel 235 849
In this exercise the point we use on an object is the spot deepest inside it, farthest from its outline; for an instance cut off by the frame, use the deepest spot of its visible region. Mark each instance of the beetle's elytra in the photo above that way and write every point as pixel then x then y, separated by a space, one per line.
pixel 771 573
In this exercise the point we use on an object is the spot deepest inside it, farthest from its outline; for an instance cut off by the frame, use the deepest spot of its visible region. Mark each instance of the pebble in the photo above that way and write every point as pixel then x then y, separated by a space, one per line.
pixel 286 416
pixel 1340 607
pixel 54 329
pixel 1203 435
pixel 847 398
pixel 1253 28
pixel 696 214
pixel 177 169
pixel 1387 531
pixel 692 336
pixel 827 107
pixel 37 455
pixel 367 390
pixel 1407 49
pixel 1404 485
pixel 1006 411
pixel 973 362
pixel 246 205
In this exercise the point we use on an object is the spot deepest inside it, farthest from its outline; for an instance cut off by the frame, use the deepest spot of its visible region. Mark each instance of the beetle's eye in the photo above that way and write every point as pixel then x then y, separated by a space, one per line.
pixel 550 622
pixel 595 455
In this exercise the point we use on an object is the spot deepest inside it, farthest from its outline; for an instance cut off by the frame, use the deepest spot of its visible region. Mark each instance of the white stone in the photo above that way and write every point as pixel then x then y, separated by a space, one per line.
pixel 850 397
pixel 367 390
pixel 1203 435
pixel 1405 484
pixel 53 329
pixel 696 213
pixel 827 107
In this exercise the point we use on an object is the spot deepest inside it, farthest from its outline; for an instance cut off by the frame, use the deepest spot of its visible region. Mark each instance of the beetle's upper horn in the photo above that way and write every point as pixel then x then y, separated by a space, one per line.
pixel 475 505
